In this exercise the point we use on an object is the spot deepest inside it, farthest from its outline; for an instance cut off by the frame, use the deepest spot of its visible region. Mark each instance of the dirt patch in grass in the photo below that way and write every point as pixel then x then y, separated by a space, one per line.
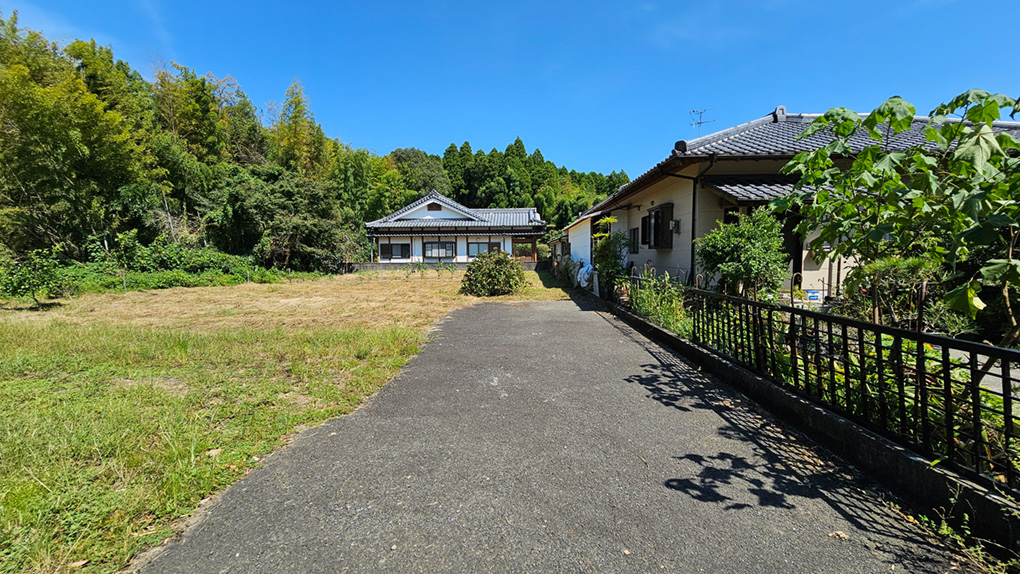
pixel 381 299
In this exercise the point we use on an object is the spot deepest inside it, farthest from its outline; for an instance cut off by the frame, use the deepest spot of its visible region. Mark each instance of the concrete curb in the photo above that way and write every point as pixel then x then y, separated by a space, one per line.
pixel 930 489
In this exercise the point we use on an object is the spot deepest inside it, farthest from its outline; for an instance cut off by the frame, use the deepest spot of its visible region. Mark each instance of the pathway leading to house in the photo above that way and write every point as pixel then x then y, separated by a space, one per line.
pixel 550 437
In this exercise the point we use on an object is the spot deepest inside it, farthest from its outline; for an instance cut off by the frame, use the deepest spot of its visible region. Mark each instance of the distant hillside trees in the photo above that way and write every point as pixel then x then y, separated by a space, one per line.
pixel 90 150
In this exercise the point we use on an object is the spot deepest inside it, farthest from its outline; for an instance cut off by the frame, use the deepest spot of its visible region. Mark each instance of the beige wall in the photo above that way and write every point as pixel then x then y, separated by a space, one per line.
pixel 675 261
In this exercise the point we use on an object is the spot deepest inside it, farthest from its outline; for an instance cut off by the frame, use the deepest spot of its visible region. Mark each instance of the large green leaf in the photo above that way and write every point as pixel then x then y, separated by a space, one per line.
pixel 977 147
pixel 964 298
pixel 999 271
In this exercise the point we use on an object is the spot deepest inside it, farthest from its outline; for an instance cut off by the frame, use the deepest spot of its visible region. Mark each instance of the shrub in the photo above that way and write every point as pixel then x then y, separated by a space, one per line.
pixel 493 273
pixel 35 273
pixel 747 255
pixel 890 287
pixel 543 251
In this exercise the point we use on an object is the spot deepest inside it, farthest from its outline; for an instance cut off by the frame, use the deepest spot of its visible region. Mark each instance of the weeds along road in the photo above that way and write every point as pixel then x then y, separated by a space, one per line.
pixel 549 437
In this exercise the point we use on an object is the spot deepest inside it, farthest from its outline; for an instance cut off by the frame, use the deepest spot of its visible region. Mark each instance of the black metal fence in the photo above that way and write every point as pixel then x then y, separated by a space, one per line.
pixel 945 398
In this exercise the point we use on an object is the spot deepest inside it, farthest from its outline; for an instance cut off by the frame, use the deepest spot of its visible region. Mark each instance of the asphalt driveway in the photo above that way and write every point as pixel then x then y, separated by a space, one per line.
pixel 550 437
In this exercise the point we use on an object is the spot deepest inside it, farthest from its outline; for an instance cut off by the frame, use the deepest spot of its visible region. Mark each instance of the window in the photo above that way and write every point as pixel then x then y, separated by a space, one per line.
pixel 660 226
pixel 645 223
pixel 476 249
pixel 434 207
pixel 440 250
pixel 634 246
pixel 394 251
pixel 731 215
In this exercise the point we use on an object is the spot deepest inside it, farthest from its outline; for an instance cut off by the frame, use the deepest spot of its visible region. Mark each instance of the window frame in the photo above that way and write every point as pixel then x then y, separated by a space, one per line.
pixel 389 247
pixel 634 236
pixel 489 246
pixel 660 226
pixel 449 249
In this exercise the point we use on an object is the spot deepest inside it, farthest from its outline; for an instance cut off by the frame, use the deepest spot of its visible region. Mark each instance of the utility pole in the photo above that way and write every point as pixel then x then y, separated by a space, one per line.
pixel 697 119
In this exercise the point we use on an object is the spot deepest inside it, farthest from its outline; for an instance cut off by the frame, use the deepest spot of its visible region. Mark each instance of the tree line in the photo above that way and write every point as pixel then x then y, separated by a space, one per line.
pixel 92 155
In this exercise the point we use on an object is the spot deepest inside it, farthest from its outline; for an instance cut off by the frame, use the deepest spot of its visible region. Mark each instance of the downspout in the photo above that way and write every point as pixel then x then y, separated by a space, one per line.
pixel 694 212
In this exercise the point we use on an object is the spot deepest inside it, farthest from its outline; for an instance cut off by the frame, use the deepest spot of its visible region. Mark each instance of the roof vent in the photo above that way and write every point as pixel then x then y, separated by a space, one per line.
pixel 780 114
pixel 680 146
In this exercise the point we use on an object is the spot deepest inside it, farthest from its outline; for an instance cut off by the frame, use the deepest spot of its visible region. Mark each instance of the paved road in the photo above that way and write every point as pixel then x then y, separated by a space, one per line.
pixel 549 437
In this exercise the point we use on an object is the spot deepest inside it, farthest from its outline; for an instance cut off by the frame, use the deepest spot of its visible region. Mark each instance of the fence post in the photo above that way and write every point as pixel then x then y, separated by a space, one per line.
pixel 920 306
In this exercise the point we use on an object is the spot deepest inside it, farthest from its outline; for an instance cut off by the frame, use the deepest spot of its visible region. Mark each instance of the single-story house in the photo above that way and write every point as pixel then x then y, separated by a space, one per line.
pixel 711 179
pixel 437 229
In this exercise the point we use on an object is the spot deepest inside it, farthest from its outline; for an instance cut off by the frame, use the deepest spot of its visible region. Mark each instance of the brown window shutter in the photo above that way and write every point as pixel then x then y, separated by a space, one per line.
pixel 666 227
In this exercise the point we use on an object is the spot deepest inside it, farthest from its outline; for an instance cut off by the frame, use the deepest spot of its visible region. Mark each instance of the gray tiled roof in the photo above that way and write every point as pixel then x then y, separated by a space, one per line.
pixel 510 217
pixel 776 135
pixel 752 188
pixel 772 136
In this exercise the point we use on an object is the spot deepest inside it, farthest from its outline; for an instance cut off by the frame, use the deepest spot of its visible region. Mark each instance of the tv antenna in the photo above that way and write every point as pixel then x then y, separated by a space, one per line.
pixel 697 119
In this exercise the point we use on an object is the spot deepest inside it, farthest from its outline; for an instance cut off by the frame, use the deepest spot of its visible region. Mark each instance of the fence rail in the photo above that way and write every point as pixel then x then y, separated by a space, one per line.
pixel 948 399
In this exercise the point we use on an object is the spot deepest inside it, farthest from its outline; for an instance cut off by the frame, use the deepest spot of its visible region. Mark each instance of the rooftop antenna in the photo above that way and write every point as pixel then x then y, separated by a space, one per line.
pixel 697 119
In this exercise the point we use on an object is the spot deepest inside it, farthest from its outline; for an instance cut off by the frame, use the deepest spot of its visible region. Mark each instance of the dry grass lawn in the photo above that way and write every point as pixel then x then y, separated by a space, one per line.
pixel 119 413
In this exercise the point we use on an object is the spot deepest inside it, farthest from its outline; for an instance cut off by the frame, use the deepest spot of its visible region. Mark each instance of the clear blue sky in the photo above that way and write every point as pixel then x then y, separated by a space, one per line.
pixel 596 86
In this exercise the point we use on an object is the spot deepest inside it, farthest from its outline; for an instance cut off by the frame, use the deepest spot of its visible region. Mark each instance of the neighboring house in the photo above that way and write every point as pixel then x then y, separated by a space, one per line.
pixel 437 229
pixel 713 178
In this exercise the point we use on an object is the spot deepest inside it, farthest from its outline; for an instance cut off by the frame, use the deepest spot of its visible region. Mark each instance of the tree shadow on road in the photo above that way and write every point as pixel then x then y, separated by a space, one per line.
pixel 786 469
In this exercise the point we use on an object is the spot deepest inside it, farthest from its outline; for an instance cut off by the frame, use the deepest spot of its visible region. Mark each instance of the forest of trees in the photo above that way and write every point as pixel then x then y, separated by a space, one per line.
pixel 93 155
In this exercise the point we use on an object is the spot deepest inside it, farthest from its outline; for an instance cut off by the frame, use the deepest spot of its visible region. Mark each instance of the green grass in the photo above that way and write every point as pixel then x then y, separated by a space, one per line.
pixel 107 434
pixel 121 412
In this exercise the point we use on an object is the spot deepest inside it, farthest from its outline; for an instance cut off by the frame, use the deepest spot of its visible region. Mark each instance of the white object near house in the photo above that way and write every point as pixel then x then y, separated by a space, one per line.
pixel 437 229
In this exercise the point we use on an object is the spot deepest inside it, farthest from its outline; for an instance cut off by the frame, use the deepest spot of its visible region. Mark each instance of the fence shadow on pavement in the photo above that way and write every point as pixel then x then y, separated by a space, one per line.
pixel 785 469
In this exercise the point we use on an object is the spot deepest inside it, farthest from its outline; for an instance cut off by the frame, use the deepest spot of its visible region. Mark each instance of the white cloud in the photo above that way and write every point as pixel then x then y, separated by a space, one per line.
pixel 150 9
pixel 53 26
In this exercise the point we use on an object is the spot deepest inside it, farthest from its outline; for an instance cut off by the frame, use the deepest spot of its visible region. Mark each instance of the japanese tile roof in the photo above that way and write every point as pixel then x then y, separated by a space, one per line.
pixel 751 188
pixel 473 218
pixel 771 137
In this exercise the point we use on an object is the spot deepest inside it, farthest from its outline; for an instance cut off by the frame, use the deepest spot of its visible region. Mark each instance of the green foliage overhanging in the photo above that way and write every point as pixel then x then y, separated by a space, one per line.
pixel 89 150
pixel 953 199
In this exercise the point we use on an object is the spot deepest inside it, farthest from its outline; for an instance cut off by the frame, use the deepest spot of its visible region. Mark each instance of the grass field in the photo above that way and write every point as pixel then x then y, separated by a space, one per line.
pixel 120 413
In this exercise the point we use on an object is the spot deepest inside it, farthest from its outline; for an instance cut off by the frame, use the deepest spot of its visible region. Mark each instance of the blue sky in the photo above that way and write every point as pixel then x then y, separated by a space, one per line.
pixel 597 86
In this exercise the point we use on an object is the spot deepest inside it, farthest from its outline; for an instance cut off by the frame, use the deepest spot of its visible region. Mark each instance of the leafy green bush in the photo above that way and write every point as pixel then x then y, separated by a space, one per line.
pixel 891 286
pixel 747 255
pixel 30 276
pixel 493 273
pixel 543 251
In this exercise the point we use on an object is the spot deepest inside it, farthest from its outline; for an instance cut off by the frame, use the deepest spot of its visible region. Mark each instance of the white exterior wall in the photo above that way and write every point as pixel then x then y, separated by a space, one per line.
pixel 462 256
pixel 579 236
